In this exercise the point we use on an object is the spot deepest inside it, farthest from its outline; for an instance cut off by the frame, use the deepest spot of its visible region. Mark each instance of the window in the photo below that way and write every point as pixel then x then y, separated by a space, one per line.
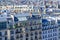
pixel 59 29
pixel 3 25
pixel 59 6
pixel 6 38
pixel 59 33
pixel 17 31
pixel 44 36
pixel 27 34
pixel 26 29
pixel 31 33
pixel 49 31
pixel 59 37
pixel 36 28
pixel 5 32
pixel 44 32
pixel 0 38
pixel 58 21
pixel 47 6
pixel 21 36
pixel 40 37
pixel 35 37
pixel 11 32
pixel 31 38
pixel 46 39
pixel 0 33
pixel 36 33
pixel 50 39
pixel 17 36
pixel 55 38
pixel 26 38
pixel 21 39
pixel 49 35
pixel 31 28
pixel 52 22
pixel 39 32
pixel 54 34
pixel 12 38
pixel 54 30
pixel 20 29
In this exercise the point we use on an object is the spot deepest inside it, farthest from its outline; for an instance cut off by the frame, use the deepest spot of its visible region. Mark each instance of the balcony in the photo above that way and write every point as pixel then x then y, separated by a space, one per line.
pixel 3 25
pixel 49 27
pixel 18 32
pixel 35 29
pixel 27 23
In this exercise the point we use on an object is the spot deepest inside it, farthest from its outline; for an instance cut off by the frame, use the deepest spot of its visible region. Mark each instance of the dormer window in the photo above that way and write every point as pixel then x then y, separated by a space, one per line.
pixel 1 15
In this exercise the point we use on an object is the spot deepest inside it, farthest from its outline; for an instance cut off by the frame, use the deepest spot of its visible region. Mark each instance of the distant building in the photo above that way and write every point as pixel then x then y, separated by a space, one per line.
pixel 50 27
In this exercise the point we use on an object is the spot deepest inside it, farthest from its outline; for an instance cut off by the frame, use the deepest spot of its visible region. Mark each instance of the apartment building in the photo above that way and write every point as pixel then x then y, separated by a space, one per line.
pixel 25 27
pixel 50 27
